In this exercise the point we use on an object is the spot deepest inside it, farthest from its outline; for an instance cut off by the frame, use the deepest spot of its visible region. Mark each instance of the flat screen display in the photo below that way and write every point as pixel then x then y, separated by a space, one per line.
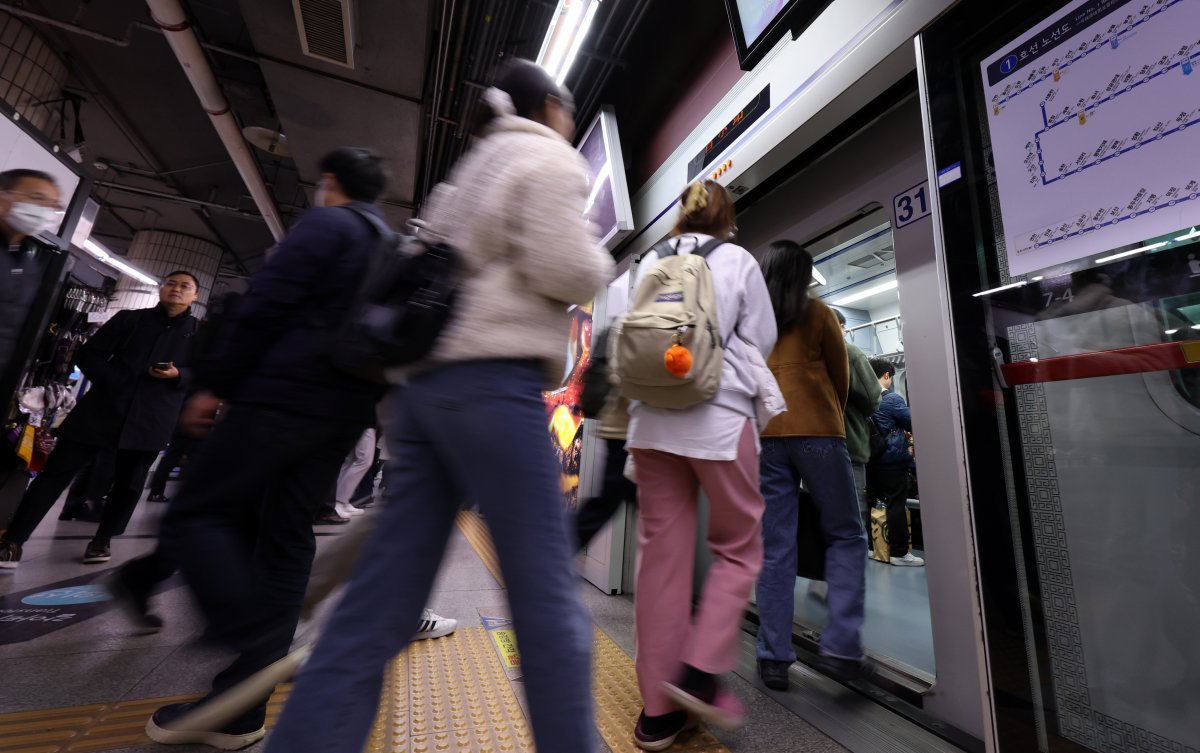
pixel 1089 113
pixel 608 206
pixel 19 150
pixel 759 24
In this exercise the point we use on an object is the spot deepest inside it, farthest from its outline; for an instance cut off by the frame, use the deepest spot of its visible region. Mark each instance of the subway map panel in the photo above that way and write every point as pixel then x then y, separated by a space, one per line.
pixel 1094 118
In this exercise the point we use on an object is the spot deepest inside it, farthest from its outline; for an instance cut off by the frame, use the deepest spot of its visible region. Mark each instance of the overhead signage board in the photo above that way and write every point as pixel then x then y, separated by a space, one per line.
pixel 1094 118
pixel 745 118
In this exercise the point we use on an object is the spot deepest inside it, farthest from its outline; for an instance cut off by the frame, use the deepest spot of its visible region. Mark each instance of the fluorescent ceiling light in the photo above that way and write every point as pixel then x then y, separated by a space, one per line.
pixel 1196 326
pixel 1010 286
pixel 1131 252
pixel 103 254
pixel 860 295
pixel 818 278
pixel 1169 331
pixel 566 35
pixel 1194 234
pixel 1039 278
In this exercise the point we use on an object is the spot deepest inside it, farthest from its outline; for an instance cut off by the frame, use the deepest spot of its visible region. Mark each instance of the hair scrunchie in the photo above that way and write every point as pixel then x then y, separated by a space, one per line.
pixel 500 102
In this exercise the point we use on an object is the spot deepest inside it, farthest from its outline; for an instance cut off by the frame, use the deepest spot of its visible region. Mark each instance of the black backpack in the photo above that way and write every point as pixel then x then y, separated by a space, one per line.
pixel 401 306
pixel 596 387
pixel 876 440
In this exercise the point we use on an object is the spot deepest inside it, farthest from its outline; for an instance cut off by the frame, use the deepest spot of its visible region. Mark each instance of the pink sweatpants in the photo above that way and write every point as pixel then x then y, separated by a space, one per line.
pixel 668 635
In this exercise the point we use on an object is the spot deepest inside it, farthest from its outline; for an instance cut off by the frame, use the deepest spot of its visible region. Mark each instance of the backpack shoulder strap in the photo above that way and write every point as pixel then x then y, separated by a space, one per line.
pixel 708 248
pixel 377 224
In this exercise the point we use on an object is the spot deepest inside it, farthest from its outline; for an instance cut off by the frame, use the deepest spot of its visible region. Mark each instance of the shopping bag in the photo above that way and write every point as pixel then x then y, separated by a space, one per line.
pixel 25 444
pixel 879 534
pixel 810 543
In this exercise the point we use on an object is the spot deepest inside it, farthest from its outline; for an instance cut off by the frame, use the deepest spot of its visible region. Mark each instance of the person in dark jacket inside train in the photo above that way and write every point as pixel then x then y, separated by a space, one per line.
pixel 887 475
pixel 136 363
pixel 240 526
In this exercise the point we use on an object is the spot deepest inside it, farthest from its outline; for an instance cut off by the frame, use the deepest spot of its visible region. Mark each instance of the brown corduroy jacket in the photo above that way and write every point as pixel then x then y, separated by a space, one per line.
pixel 813 370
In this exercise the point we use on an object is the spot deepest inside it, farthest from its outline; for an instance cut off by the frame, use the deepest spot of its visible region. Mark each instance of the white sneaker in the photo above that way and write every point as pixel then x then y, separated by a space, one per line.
pixel 908 560
pixel 434 626
pixel 347 510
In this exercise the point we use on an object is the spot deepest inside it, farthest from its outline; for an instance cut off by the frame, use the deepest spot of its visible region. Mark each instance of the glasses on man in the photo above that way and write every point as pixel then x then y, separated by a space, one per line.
pixel 39 198
pixel 184 286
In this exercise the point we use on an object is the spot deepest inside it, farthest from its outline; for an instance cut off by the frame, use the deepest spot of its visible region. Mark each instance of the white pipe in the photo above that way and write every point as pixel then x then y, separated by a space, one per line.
pixel 169 16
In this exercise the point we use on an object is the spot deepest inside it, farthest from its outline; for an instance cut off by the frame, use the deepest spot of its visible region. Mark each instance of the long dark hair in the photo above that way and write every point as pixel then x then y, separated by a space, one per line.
pixel 528 85
pixel 788 270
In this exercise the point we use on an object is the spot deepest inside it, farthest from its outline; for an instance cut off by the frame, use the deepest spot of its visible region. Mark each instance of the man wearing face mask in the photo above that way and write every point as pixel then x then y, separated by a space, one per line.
pixel 29 204
pixel 137 364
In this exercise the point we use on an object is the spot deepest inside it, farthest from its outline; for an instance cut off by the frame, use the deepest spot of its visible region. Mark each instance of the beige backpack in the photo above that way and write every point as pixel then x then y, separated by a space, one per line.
pixel 674 304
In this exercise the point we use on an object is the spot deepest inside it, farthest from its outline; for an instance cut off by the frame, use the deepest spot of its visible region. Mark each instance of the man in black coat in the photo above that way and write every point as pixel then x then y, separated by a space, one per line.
pixel 136 363
pixel 240 525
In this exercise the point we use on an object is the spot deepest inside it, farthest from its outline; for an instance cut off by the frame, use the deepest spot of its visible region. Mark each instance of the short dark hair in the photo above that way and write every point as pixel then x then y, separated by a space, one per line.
pixel 358 171
pixel 788 270
pixel 841 317
pixel 186 273
pixel 707 208
pixel 10 178
pixel 883 366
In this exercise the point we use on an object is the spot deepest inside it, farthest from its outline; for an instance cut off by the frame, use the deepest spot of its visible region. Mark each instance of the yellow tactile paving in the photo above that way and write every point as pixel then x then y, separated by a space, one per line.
pixel 94 728
pixel 449 695
pixel 445 695
pixel 614 679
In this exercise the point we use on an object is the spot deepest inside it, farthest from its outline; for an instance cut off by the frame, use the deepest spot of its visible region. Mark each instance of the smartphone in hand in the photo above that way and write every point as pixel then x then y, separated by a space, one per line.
pixel 161 366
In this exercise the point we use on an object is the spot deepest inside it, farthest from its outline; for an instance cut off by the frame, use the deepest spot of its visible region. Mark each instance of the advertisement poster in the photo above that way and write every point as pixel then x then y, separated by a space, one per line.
pixel 563 413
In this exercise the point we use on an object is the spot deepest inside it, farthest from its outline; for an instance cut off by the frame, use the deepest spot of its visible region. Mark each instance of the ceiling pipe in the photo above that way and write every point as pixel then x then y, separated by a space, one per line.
pixel 169 16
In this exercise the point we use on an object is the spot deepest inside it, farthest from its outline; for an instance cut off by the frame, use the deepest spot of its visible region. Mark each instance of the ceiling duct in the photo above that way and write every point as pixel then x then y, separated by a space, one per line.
pixel 325 30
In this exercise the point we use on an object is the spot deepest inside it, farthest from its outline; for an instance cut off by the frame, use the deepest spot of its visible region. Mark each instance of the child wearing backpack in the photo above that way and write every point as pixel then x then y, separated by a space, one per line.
pixel 698 432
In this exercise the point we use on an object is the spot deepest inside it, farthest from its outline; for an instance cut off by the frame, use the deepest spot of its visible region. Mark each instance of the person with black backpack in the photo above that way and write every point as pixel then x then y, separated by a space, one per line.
pixel 240 526
pixel 470 425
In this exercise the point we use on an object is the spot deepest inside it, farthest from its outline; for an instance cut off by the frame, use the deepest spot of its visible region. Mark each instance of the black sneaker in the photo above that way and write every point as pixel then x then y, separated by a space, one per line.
pixel 135 601
pixel 10 555
pixel 659 732
pixel 703 695
pixel 847 670
pixel 160 498
pixel 234 736
pixel 329 517
pixel 774 673
pixel 98 551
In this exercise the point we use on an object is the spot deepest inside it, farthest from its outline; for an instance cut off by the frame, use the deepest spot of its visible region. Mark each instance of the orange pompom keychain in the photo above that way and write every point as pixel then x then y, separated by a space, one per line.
pixel 678 360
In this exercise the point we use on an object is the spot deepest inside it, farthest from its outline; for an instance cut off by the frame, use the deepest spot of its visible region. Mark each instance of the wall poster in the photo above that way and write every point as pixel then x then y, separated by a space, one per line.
pixel 564 414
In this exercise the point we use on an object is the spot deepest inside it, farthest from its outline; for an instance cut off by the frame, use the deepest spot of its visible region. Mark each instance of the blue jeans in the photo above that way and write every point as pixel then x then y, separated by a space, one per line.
pixel 823 465
pixel 468 431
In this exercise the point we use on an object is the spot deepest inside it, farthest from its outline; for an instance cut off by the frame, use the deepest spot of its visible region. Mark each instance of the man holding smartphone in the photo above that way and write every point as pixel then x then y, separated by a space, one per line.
pixel 137 364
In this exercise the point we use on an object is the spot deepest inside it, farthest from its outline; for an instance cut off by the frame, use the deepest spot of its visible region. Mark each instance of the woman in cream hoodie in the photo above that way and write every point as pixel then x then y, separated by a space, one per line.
pixel 469 426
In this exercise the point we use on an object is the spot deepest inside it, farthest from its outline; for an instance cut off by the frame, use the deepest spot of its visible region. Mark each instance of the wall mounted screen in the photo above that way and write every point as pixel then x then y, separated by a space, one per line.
pixel 608 206
pixel 19 150
pixel 759 24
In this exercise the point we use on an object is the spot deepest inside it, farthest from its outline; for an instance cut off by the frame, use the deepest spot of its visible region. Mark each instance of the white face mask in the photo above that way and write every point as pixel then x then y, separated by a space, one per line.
pixel 31 219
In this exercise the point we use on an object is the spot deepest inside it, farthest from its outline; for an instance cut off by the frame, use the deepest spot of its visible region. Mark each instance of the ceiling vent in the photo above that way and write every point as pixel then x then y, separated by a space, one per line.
pixel 325 30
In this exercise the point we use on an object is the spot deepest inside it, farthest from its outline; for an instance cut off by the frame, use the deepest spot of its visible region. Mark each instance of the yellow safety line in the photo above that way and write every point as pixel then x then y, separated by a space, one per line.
pixel 614 677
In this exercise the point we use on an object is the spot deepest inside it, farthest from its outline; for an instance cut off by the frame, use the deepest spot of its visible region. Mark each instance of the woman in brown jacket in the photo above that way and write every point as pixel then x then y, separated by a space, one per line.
pixel 807 444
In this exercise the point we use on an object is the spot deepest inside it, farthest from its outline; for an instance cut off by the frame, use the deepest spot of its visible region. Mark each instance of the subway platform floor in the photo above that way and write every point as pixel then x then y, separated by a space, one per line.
pixel 75 676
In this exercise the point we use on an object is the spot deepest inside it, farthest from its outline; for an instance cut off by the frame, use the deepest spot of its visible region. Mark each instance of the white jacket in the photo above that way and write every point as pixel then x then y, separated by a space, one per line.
pixel 514 211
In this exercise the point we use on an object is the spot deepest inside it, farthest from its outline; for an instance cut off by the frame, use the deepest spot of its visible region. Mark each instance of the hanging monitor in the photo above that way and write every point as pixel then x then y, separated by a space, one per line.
pixel 759 24
pixel 20 150
pixel 608 205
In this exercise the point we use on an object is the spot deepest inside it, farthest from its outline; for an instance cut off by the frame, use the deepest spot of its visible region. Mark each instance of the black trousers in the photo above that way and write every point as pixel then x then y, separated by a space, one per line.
pixel 93 483
pixel 129 476
pixel 179 448
pixel 240 528
pixel 616 489
pixel 891 486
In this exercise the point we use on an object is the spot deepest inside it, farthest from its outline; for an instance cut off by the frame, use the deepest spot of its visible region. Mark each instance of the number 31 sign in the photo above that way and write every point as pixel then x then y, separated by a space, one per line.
pixel 912 205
